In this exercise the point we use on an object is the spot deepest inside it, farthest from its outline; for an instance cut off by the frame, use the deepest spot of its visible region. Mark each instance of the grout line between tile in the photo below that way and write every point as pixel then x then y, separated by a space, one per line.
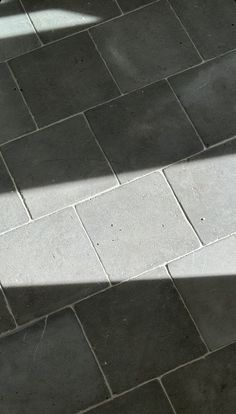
pixel 104 62
pixel 92 350
pixel 185 30
pixel 187 309
pixel 92 245
pixel 22 95
pixel 181 208
pixel 120 9
pixel 8 306
pixel 167 396
pixel 21 198
pixel 31 22
pixel 101 149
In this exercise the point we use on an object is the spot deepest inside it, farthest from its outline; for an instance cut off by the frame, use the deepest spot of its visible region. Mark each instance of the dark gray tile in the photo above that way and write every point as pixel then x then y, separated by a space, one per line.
pixel 143 131
pixel 205 186
pixel 128 5
pixel 208 94
pixel 136 227
pixel 6 320
pixel 210 23
pixel 14 116
pixel 208 386
pixel 48 264
pixel 207 282
pixel 63 78
pixel 145 46
pixel 17 33
pixel 65 165
pixel 49 368
pixel 54 19
pixel 12 210
pixel 139 330
pixel 146 399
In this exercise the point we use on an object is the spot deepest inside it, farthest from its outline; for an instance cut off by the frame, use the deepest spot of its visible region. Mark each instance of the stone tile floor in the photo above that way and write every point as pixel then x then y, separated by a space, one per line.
pixel 118 206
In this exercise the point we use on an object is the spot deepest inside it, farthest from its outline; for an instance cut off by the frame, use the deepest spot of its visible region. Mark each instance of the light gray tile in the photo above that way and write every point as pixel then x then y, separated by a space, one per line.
pixel 207 282
pixel 137 226
pixel 48 264
pixel 206 188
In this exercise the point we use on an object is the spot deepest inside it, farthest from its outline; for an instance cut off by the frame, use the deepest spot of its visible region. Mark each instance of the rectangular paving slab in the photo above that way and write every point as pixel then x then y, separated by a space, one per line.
pixel 145 46
pixel 149 398
pixel 143 131
pixel 65 164
pixel 207 92
pixel 136 227
pixel 139 330
pixel 208 386
pixel 63 78
pixel 48 264
pixel 205 186
pixel 49 368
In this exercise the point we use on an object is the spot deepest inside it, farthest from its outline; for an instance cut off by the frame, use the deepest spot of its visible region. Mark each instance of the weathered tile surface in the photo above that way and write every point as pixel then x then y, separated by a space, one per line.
pixel 205 186
pixel 49 368
pixel 65 165
pixel 55 19
pixel 208 386
pixel 63 78
pixel 139 330
pixel 208 94
pixel 137 227
pixel 145 46
pixel 48 264
pixel 211 26
pixel 146 399
pixel 14 116
pixel 143 131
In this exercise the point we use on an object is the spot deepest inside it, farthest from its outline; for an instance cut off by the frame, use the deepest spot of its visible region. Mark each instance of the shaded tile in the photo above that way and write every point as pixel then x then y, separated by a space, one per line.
pixel 54 265
pixel 63 78
pixel 137 227
pixel 128 5
pixel 49 368
pixel 208 94
pixel 6 320
pixel 210 23
pixel 14 116
pixel 208 386
pixel 12 210
pixel 207 282
pixel 65 165
pixel 146 399
pixel 17 33
pixel 54 19
pixel 145 46
pixel 143 131
pixel 141 325
pixel 205 186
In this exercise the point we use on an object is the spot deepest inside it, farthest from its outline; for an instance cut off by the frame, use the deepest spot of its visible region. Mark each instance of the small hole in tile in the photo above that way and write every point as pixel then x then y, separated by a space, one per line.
pixel 203 218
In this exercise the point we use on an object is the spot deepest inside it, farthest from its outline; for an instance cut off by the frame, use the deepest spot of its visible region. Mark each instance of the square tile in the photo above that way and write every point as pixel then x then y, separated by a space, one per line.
pixel 12 211
pixel 54 19
pixel 135 332
pixel 65 165
pixel 145 46
pixel 143 131
pixel 137 227
pixel 149 399
pixel 6 320
pixel 15 119
pixel 207 92
pixel 17 33
pixel 128 5
pixel 207 386
pixel 54 265
pixel 205 187
pixel 210 23
pixel 207 282
pixel 49 368
pixel 63 78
